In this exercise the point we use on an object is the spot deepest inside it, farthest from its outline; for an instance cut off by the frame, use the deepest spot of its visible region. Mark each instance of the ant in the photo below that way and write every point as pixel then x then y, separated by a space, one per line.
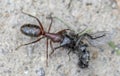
pixel 33 30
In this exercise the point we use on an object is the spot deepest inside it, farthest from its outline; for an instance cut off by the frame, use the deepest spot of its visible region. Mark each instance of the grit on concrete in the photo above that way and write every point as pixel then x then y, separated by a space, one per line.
pixel 98 15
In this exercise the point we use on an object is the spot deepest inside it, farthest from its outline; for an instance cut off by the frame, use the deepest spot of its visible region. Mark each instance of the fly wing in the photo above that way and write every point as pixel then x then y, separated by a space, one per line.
pixel 108 36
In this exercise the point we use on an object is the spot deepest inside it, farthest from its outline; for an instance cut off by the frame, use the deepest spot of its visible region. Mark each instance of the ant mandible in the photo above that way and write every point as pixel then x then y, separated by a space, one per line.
pixel 33 30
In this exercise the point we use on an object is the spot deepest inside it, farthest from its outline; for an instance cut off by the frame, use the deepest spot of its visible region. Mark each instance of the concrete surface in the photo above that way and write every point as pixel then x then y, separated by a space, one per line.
pixel 98 15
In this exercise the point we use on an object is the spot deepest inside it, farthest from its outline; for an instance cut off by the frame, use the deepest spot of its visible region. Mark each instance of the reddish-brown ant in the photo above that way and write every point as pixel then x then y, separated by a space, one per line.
pixel 38 31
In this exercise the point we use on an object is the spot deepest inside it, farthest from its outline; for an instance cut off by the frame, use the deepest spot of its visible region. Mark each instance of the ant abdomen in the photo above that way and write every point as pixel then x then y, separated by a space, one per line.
pixel 31 30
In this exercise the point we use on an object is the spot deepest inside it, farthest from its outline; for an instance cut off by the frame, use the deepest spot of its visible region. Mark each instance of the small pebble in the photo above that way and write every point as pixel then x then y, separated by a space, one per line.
pixel 40 72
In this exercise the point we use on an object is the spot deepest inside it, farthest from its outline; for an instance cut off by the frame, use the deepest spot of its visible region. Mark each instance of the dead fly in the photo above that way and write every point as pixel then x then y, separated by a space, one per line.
pixel 81 49
pixel 86 40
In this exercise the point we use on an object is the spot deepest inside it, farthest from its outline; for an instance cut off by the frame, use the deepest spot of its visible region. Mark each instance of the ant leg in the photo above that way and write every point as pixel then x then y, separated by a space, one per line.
pixel 62 31
pixel 51 48
pixel 47 52
pixel 69 54
pixel 93 37
pixel 50 24
pixel 41 26
pixel 58 47
pixel 30 43
pixel 47 43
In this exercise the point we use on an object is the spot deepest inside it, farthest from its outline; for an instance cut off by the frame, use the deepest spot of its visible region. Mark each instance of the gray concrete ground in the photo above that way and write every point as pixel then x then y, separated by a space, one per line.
pixel 97 15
